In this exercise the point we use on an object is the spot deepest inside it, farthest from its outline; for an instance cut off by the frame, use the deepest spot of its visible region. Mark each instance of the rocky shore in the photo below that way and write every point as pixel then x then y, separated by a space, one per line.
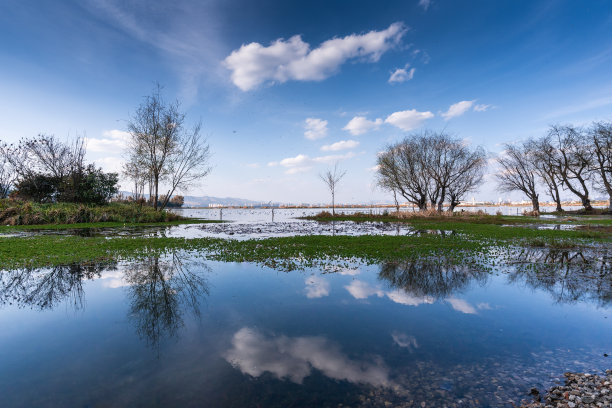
pixel 580 391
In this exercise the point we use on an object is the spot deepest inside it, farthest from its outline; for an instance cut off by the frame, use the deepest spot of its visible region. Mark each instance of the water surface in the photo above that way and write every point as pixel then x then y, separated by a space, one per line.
pixel 178 331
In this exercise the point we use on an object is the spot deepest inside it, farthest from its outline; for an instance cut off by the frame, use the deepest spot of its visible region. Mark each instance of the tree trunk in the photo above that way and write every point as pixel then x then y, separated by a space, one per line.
pixel 535 204
pixel 156 192
pixel 333 206
pixel 586 202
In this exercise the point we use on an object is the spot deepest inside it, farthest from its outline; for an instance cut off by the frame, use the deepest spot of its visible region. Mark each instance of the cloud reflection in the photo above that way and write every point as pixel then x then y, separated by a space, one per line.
pixel 294 358
pixel 316 287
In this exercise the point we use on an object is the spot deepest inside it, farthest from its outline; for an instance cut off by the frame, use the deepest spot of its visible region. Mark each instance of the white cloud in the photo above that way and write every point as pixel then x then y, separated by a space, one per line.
pixel 403 298
pixel 294 358
pixel 482 107
pixel 461 305
pixel 349 271
pixel 302 162
pixel 425 4
pixel 360 125
pixel 341 145
pixel 109 164
pixel 362 290
pixel 409 119
pixel 457 109
pixel 402 75
pixel 299 160
pixel 253 165
pixel 293 59
pixel 315 128
pixel 316 287
pixel 484 306
pixel 111 141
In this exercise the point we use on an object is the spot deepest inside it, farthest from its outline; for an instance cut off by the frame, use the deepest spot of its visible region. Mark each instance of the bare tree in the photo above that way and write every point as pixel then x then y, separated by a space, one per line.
pixel 331 178
pixel 431 167
pixel 162 146
pixel 544 157
pixel 188 163
pixel 468 170
pixel 601 136
pixel 401 170
pixel 574 160
pixel 518 172
pixel 8 175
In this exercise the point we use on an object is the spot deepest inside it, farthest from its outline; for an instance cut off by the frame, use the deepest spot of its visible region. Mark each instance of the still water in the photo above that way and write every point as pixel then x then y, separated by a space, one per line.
pixel 180 331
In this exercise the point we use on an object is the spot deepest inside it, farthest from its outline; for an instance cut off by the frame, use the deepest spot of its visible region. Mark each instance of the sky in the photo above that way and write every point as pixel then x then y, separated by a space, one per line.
pixel 286 89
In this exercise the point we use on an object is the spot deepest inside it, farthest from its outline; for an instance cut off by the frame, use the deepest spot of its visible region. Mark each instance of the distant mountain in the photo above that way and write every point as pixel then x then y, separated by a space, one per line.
pixel 194 201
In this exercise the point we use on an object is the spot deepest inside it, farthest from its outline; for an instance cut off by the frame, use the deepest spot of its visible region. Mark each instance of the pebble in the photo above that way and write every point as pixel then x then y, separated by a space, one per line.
pixel 581 390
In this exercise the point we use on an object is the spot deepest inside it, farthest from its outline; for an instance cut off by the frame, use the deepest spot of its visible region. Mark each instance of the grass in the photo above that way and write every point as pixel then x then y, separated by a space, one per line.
pixel 472 243
pixel 111 224
pixel 14 212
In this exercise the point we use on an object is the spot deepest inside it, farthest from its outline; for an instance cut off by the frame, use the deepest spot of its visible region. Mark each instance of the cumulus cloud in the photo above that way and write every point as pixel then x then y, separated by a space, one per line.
pixel 315 128
pixel 302 162
pixel 341 145
pixel 293 59
pixel 360 125
pixel 111 141
pixel 316 287
pixel 402 75
pixel 457 109
pixel 409 119
pixel 294 358
pixel 461 305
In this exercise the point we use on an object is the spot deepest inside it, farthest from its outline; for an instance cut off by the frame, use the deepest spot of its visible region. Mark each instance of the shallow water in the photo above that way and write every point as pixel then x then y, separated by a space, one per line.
pixel 178 331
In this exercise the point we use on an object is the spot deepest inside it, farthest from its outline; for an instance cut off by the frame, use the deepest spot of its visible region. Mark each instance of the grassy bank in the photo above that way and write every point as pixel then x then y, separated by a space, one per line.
pixel 461 243
pixel 15 213
pixel 423 218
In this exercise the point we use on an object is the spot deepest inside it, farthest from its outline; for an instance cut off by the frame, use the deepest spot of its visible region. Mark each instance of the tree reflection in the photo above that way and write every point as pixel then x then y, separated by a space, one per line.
pixel 45 288
pixel 160 290
pixel 431 278
pixel 569 275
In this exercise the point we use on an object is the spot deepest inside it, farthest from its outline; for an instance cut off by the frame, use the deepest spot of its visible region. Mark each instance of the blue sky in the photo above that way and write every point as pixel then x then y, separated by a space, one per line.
pixel 285 88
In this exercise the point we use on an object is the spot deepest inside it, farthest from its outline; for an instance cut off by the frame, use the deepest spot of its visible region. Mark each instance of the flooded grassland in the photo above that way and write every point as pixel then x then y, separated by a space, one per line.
pixel 248 314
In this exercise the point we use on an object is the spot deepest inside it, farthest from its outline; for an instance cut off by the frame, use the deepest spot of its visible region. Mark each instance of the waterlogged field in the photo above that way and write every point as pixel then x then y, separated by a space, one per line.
pixel 300 313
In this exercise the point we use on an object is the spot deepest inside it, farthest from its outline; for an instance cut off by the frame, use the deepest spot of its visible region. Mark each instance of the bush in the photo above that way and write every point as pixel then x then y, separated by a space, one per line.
pixel 16 212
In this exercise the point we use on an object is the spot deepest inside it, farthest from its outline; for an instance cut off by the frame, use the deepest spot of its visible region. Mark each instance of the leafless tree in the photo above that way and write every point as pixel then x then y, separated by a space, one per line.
pixel 544 157
pixel 601 136
pixel 8 176
pixel 188 163
pixel 331 178
pixel 517 172
pixel 574 160
pixel 401 170
pixel 164 148
pixel 431 167
pixel 139 176
pixel 468 172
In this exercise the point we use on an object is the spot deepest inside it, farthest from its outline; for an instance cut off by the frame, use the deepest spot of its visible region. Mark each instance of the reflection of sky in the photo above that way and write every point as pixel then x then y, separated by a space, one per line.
pixel 254 320
pixel 316 287
pixel 294 358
